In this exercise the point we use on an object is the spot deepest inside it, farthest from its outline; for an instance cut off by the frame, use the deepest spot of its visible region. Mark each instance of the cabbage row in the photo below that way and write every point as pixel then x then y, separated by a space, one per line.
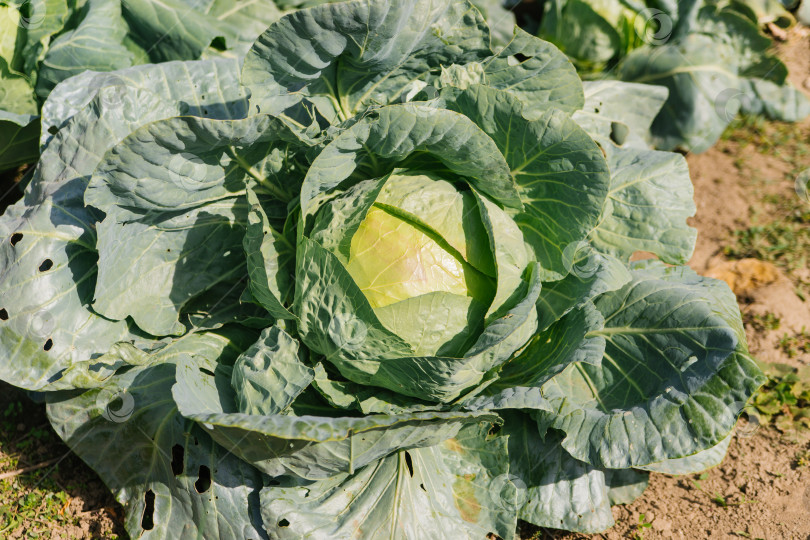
pixel 373 281
pixel 710 54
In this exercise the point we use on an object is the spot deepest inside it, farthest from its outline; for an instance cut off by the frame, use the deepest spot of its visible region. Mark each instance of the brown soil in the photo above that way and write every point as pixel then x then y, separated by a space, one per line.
pixel 46 491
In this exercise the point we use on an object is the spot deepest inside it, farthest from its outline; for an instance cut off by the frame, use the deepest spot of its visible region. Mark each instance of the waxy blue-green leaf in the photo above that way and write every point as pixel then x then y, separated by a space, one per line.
pixel 185 30
pixel 501 21
pixel 150 268
pixel 625 485
pixel 519 382
pixel 590 274
pixel 456 489
pixel 620 112
pixel 270 260
pixel 163 462
pixel 367 399
pixel 96 373
pixel 778 102
pixel 346 57
pixel 208 88
pixel 49 257
pixel 554 489
pixel 672 382
pixel 387 137
pixel 48 263
pixel 561 174
pixel 705 459
pixel 650 199
pixel 537 73
pixel 153 258
pixel 224 304
pixel 94 44
pixel 269 375
pixel 55 226
pixel 703 84
pixel 313 447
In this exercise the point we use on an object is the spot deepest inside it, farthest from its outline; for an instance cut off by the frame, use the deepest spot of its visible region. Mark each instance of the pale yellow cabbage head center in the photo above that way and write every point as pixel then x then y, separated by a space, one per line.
pixel 392 260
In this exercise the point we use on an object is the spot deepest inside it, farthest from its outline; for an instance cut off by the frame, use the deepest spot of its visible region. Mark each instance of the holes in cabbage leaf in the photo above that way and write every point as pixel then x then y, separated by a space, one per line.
pixel 48 344
pixel 283 523
pixel 409 463
pixel 177 459
pixel 15 238
pixel 46 265
pixel 53 130
pixel 3 314
pixel 207 371
pixel 219 44
pixel 147 521
pixel 203 479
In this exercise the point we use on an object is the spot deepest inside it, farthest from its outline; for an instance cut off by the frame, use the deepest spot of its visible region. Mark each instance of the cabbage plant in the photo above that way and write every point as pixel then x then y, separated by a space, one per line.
pixel 373 281
pixel 709 53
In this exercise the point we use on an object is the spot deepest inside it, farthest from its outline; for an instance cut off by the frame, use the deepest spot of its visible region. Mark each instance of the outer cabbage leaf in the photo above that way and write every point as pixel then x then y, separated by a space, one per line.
pixel 620 112
pixel 172 479
pixel 650 199
pixel 269 375
pixel 184 30
pixel 705 459
pixel 270 259
pixel 555 489
pixel 54 225
pixel 457 489
pixel 94 44
pixel 535 72
pixel 518 383
pixel 345 57
pixel 673 380
pixel 501 21
pixel 174 197
pixel 209 89
pixel 312 447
